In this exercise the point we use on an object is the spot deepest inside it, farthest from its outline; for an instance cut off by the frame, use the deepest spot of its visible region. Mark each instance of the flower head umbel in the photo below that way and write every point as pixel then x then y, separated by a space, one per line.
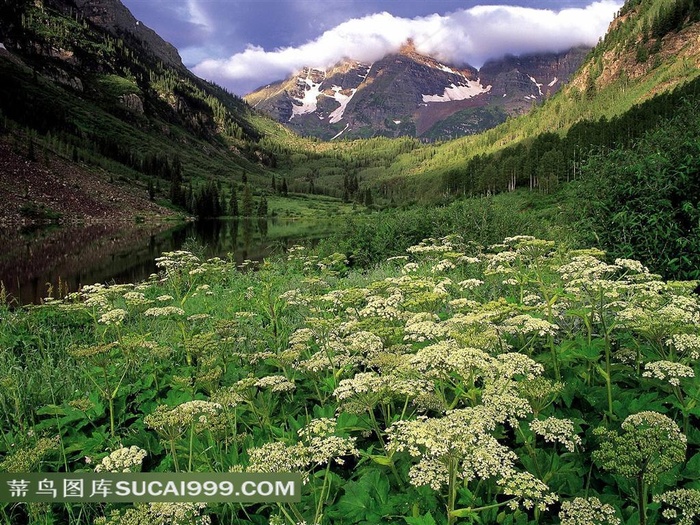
pixel 164 311
pixel 687 345
pixel 276 383
pixel 668 371
pixel 278 457
pixel 125 459
pixel 113 317
pixel 323 442
pixel 555 430
pixel 161 513
pixel 529 491
pixel 649 444
pixel 173 421
pixel 461 439
pixel 587 511
pixel 683 505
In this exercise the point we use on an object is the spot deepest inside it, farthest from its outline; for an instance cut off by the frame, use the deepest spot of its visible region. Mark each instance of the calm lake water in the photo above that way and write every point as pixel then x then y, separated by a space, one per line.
pixel 71 256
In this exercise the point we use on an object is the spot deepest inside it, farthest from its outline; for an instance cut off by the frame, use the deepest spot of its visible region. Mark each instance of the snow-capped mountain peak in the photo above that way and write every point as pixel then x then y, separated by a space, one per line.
pixel 407 93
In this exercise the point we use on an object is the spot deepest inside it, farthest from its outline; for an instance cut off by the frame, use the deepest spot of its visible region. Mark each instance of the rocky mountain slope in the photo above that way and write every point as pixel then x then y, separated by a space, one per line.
pixel 411 94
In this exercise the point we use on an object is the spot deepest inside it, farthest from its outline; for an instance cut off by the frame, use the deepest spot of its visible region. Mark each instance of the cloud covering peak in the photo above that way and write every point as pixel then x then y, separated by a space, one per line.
pixel 466 36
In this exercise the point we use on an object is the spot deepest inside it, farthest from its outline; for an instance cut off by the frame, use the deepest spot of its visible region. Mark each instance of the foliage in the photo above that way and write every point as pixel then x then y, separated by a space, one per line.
pixel 369 239
pixel 522 382
pixel 643 200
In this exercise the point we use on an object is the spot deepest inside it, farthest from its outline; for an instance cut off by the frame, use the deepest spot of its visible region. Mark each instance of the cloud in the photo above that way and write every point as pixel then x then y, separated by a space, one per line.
pixel 466 36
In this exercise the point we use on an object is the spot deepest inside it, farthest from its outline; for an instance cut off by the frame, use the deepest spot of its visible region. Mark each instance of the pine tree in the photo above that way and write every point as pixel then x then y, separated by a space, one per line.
pixel 262 207
pixel 284 187
pixel 247 204
pixel 233 203
pixel 222 203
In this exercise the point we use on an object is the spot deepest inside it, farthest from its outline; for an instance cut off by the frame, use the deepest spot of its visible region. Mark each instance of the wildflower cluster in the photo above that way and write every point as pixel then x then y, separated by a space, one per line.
pixel 176 261
pixel 28 458
pixel 682 505
pixel 587 511
pixel 461 439
pixel 557 430
pixel 113 317
pixel 319 444
pixel 125 459
pixel 686 345
pixel 164 311
pixel 168 420
pixel 158 514
pixel 453 376
pixel 668 371
pixel 649 445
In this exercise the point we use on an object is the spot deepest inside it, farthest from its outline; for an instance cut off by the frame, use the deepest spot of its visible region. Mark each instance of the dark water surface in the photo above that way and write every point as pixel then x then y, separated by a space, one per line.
pixel 66 257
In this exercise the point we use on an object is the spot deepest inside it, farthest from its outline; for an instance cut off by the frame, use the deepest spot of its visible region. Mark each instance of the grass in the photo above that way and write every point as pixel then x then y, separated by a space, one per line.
pixel 304 206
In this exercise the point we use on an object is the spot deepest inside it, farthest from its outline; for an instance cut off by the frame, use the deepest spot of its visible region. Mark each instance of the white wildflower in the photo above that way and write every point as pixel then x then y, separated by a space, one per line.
pixel 668 371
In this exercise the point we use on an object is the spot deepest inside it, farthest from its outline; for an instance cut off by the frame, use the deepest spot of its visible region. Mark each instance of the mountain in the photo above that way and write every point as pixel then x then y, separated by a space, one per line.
pixel 410 94
pixel 112 16
pixel 651 49
pixel 85 82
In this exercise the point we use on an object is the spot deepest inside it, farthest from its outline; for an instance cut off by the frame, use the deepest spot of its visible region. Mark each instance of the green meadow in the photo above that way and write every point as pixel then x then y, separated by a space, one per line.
pixel 516 382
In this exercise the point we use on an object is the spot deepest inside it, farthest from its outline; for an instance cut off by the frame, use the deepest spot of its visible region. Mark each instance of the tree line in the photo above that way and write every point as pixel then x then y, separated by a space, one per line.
pixel 542 163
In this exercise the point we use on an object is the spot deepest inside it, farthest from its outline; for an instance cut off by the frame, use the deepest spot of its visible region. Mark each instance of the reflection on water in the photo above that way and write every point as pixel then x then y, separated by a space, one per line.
pixel 71 256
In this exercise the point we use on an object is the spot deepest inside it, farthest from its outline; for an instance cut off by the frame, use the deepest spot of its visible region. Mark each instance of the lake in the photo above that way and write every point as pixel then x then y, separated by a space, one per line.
pixel 67 257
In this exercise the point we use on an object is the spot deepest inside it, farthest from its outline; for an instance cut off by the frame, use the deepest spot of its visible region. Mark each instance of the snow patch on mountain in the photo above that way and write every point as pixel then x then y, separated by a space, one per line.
pixel 461 92
pixel 341 132
pixel 337 114
pixel 309 102
pixel 553 82
pixel 539 86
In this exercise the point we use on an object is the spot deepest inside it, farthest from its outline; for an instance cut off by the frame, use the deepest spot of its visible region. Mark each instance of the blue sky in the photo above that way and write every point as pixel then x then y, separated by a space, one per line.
pixel 243 44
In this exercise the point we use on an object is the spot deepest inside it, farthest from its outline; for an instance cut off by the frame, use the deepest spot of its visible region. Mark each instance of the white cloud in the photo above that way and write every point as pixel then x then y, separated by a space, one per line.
pixel 197 15
pixel 468 36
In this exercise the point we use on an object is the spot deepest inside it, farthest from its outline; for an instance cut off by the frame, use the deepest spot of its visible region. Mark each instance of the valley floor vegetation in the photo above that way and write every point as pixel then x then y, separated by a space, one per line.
pixel 517 382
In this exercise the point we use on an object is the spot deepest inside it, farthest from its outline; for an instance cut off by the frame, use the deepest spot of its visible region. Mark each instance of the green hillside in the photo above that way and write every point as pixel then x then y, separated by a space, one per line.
pixel 616 78
pixel 73 89
pixel 434 363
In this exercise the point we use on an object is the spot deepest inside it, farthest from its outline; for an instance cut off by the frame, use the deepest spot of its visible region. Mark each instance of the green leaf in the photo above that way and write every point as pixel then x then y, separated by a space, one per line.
pixel 692 468
pixel 365 499
pixel 51 410
pixel 580 349
pixel 637 402
pixel 426 519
